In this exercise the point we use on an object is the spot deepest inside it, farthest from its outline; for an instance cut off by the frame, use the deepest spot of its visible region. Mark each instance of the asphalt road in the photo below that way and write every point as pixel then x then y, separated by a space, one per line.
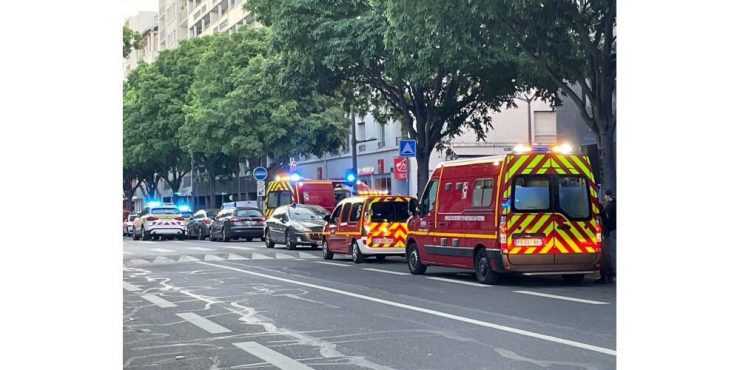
pixel 209 305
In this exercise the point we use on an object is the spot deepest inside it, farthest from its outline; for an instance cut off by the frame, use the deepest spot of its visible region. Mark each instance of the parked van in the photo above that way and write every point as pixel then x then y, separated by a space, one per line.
pixel 530 212
pixel 324 193
pixel 371 225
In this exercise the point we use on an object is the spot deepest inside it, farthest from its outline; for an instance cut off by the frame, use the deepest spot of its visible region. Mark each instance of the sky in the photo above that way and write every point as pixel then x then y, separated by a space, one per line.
pixel 131 7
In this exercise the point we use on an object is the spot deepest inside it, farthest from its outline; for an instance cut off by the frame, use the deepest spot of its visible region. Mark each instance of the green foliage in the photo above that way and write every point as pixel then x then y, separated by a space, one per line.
pixel 131 40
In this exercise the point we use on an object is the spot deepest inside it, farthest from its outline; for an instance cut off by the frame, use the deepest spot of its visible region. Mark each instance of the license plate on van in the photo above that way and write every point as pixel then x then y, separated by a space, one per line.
pixel 528 242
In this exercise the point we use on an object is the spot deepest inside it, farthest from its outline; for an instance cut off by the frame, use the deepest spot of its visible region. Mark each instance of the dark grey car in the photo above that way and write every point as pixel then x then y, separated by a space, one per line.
pixel 294 225
pixel 235 223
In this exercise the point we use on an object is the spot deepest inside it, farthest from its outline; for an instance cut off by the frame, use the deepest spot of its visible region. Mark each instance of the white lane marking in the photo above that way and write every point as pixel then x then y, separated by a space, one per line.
pixel 257 256
pixel 210 257
pixel 161 250
pixel 203 323
pixel 386 271
pixel 332 263
pixel 158 301
pixel 188 259
pixel 130 287
pixel 138 262
pixel 468 320
pixel 274 358
pixel 241 248
pixel 478 285
pixel 306 255
pixel 200 249
pixel 560 297
pixel 162 260
pixel 127 253
pixel 283 256
pixel 235 257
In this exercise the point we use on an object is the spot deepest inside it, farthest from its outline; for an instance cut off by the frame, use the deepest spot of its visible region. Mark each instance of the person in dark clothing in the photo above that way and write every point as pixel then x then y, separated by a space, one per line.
pixel 609 222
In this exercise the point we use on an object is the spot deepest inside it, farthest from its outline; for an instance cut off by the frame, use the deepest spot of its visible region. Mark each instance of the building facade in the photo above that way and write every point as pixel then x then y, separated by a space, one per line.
pixel 144 23
pixel 173 23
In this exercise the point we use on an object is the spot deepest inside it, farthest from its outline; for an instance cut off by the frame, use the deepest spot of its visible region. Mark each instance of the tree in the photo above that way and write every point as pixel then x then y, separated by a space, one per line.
pixel 573 44
pixel 408 70
pixel 131 40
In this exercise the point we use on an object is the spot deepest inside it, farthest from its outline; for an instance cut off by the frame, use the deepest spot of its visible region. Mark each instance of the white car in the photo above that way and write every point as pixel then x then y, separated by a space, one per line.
pixel 159 222
pixel 128 225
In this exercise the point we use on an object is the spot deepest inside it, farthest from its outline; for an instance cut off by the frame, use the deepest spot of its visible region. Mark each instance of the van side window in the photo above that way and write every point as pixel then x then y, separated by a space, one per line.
pixel 334 219
pixel 482 193
pixel 448 186
pixel 355 213
pixel 345 212
pixel 427 200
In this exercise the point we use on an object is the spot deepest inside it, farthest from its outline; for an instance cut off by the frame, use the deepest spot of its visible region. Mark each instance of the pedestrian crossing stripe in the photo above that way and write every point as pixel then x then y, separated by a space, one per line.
pixel 210 257
pixel 235 257
pixel 257 256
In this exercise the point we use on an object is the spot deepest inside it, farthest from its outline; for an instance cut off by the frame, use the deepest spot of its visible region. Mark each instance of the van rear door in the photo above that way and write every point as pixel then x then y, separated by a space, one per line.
pixel 530 224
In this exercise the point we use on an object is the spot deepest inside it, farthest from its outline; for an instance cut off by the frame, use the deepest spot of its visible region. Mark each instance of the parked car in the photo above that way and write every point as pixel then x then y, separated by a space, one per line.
pixel 235 223
pixel 296 224
pixel 160 222
pixel 128 225
pixel 200 225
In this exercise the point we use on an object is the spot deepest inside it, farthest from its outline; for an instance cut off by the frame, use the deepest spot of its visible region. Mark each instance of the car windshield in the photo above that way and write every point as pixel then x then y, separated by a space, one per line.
pixel 211 213
pixel 165 211
pixel 305 214
pixel 389 211
pixel 247 213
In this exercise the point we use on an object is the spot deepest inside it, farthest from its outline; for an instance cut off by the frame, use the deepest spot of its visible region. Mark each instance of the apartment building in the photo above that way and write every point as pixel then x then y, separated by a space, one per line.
pixel 173 23
pixel 208 17
pixel 144 23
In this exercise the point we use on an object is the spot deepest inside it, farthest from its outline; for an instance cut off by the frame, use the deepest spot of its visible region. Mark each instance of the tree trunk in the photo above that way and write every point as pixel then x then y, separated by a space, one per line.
pixel 422 172
pixel 607 158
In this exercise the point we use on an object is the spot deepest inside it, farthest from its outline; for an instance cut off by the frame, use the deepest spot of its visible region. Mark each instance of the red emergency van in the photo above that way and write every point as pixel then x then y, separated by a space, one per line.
pixel 324 193
pixel 530 212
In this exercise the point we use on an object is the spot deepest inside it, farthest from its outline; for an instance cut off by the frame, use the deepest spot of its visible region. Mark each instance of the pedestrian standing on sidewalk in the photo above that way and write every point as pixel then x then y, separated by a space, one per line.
pixel 609 222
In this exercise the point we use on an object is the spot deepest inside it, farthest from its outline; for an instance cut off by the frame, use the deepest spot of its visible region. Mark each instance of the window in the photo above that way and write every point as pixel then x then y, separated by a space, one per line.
pixel 165 211
pixel 334 219
pixel 531 193
pixel 383 183
pixel 345 212
pixel 356 213
pixel 427 200
pixel 448 186
pixel 247 213
pixel 573 196
pixel 389 212
pixel 482 193
pixel 278 198
pixel 304 214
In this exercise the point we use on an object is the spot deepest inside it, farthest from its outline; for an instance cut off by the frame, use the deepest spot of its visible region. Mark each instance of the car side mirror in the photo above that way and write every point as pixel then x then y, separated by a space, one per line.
pixel 327 218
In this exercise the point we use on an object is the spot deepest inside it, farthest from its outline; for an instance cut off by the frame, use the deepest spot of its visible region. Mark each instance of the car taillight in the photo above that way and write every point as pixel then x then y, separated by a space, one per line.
pixel 236 219
pixel 152 218
pixel 502 230
pixel 207 222
pixel 598 232
pixel 180 218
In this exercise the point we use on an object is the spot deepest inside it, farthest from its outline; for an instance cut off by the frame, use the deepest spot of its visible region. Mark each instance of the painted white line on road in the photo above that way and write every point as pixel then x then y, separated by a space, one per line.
pixel 386 271
pixel 468 320
pixel 162 260
pixel 332 263
pixel 235 257
pixel 161 250
pixel 158 301
pixel 306 255
pixel 257 256
pixel 200 249
pixel 130 287
pixel 274 358
pixel 283 256
pixel 241 248
pixel 188 259
pixel 127 253
pixel 203 323
pixel 138 262
pixel 478 285
pixel 210 257
pixel 564 298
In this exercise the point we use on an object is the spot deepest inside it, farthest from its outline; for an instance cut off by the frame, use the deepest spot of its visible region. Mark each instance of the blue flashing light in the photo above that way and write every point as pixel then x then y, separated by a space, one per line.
pixel 541 149
pixel 153 203
pixel 350 177
pixel 184 208
pixel 295 177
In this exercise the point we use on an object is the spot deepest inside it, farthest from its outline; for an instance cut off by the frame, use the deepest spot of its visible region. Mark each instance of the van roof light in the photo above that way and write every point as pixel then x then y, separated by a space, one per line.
pixel 521 148
pixel 563 148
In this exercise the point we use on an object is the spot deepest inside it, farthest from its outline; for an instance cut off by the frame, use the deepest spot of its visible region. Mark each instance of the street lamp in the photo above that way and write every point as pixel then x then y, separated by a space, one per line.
pixel 354 146
pixel 528 99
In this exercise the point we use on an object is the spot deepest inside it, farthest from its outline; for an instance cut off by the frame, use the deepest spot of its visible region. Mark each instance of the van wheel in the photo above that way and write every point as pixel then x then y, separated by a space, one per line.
pixel 357 256
pixel 483 271
pixel 145 235
pixel 573 278
pixel 325 252
pixel 413 259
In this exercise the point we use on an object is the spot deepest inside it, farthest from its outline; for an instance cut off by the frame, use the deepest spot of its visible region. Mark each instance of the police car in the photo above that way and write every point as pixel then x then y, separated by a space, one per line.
pixel 159 221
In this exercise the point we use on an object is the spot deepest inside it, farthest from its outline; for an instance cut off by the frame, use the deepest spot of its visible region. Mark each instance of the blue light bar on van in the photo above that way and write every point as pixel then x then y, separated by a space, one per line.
pixel 540 149
pixel 153 203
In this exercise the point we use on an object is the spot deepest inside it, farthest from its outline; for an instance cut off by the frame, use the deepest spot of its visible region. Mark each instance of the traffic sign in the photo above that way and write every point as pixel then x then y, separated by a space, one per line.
pixel 260 174
pixel 260 188
pixel 407 148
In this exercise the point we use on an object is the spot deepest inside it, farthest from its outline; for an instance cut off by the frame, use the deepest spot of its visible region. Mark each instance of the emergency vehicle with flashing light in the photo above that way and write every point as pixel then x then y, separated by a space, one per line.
pixel 286 190
pixel 159 221
pixel 534 211
pixel 367 225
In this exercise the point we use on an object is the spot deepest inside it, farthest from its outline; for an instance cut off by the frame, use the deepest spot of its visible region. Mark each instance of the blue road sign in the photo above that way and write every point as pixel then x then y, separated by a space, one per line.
pixel 260 173
pixel 407 148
